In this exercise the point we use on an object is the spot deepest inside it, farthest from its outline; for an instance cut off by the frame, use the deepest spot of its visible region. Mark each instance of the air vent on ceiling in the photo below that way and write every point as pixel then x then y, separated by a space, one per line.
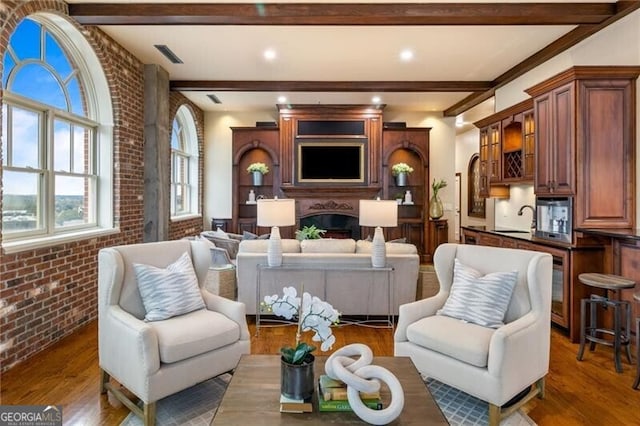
pixel 164 49
pixel 214 99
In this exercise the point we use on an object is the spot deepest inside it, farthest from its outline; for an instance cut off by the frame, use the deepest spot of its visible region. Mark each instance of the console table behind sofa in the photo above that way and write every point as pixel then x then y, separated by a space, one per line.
pixel 354 289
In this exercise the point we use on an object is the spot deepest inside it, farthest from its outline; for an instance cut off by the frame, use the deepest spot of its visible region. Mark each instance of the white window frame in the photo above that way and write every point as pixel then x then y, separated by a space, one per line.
pixel 99 119
pixel 188 140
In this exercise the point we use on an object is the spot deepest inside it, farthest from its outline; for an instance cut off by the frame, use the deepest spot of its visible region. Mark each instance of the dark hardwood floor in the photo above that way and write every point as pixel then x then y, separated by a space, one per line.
pixel 578 393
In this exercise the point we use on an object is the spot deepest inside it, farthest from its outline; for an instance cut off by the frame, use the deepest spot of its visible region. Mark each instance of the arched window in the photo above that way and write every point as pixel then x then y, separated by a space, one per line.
pixel 56 134
pixel 184 164
pixel 476 203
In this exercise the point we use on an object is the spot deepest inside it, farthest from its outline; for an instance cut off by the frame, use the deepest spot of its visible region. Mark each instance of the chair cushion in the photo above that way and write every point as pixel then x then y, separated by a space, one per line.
pixel 479 299
pixel 452 337
pixel 193 334
pixel 168 292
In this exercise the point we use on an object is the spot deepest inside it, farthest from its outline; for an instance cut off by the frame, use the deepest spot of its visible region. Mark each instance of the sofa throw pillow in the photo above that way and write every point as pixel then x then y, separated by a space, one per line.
pixel 479 299
pixel 219 233
pixel 168 292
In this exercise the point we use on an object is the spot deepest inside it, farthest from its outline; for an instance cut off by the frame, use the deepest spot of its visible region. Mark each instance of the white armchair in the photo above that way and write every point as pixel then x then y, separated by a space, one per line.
pixel 156 359
pixel 492 364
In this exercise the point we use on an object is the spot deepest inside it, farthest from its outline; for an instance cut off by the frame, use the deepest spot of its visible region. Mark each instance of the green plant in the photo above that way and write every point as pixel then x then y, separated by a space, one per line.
pixel 258 167
pixel 309 233
pixel 437 186
pixel 399 195
pixel 398 168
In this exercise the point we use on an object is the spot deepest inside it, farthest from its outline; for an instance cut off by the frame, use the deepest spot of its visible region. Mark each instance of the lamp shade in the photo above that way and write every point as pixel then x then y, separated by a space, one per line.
pixel 378 213
pixel 276 212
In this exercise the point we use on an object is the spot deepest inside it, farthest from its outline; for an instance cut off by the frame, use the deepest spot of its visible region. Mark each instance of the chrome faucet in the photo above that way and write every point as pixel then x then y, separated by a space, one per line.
pixel 533 213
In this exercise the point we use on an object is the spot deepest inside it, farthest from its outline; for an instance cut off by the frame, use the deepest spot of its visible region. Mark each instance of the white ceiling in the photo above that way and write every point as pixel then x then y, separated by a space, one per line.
pixel 335 53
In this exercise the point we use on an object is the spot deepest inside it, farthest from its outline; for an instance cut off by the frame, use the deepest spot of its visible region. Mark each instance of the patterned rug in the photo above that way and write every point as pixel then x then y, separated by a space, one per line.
pixel 197 405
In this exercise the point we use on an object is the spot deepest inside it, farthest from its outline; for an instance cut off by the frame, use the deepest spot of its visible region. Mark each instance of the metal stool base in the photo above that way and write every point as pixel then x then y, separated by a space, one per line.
pixel 595 335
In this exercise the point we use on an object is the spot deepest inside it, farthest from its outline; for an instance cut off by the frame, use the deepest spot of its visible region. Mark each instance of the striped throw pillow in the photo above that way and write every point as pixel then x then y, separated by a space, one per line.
pixel 169 292
pixel 479 299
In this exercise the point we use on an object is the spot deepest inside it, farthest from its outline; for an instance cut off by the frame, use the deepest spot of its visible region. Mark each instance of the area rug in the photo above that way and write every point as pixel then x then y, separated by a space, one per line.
pixel 197 405
pixel 465 410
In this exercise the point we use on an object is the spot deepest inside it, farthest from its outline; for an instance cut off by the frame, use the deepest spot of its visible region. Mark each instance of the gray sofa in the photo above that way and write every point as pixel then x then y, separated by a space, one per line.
pixel 336 270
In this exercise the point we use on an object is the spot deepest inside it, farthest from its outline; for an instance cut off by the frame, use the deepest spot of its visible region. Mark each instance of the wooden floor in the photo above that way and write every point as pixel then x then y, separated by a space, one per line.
pixel 578 393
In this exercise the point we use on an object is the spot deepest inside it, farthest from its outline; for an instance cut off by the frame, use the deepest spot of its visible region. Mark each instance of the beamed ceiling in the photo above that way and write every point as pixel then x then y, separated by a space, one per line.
pixel 338 53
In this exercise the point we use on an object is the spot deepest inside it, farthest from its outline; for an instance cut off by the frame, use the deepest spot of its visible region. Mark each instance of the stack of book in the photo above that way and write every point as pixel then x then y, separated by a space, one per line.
pixel 290 405
pixel 332 396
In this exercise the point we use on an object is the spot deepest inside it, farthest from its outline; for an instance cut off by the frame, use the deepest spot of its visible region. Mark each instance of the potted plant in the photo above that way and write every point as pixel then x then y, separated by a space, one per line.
pixel 435 205
pixel 309 233
pixel 400 172
pixel 311 314
pixel 399 197
pixel 258 170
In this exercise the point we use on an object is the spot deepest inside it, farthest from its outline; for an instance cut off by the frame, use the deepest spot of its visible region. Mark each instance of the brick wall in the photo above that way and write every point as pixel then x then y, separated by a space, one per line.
pixel 48 293
pixel 185 228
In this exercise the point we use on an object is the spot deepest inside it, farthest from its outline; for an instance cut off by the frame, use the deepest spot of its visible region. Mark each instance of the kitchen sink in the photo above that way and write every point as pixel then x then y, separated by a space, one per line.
pixel 511 231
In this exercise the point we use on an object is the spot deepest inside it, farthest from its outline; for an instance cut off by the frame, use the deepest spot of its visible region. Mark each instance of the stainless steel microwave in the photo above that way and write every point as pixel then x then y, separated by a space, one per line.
pixel 554 218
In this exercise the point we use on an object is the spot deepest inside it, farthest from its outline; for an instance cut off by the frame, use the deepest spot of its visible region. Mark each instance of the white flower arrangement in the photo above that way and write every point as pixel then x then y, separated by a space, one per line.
pixel 312 314
pixel 398 168
pixel 258 167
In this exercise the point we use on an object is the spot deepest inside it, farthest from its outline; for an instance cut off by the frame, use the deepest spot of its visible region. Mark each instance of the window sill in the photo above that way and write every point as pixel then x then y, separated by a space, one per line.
pixel 185 217
pixel 36 243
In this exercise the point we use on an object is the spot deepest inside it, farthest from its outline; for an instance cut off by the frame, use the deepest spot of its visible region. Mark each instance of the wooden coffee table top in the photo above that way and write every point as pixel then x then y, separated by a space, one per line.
pixel 253 396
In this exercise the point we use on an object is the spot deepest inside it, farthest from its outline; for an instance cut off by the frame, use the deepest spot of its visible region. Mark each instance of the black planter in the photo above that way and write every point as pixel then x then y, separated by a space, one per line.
pixel 296 381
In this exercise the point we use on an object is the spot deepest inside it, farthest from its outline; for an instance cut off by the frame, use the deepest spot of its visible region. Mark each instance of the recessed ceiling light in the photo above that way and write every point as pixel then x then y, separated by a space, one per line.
pixel 269 54
pixel 282 99
pixel 406 55
pixel 376 99
pixel 459 121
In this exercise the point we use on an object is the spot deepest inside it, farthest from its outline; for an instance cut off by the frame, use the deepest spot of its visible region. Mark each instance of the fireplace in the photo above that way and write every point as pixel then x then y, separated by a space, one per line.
pixel 337 225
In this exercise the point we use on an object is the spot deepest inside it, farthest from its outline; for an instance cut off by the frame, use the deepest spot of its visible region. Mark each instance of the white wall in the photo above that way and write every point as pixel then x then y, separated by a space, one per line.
pixel 218 158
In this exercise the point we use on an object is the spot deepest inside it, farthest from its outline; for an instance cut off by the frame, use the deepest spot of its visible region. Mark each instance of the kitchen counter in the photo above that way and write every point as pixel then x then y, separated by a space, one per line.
pixel 518 235
pixel 627 234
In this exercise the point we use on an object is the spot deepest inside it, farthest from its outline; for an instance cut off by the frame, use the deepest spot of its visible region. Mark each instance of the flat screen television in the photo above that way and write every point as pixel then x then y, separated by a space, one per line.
pixel 330 162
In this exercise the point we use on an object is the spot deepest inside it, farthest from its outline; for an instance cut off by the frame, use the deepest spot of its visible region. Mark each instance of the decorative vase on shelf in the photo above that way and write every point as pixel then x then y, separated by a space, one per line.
pixel 257 178
pixel 436 210
pixel 401 179
pixel 297 380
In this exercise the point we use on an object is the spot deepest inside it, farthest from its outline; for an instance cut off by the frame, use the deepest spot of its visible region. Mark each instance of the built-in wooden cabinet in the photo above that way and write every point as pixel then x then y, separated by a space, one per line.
pixel 334 125
pixel 585 143
pixel 555 141
pixel 252 145
pixel 409 145
pixel 507 149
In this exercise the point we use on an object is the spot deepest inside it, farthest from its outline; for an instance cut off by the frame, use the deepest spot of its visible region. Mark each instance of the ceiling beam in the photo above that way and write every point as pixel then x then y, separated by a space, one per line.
pixel 330 86
pixel 341 14
pixel 623 8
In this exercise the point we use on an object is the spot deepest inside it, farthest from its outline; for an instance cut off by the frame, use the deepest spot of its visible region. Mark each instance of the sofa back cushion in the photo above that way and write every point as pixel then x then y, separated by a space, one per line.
pixel 328 245
pixel 260 246
pixel 364 246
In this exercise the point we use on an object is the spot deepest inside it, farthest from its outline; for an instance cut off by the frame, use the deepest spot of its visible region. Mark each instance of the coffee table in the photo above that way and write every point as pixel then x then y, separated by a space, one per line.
pixel 253 396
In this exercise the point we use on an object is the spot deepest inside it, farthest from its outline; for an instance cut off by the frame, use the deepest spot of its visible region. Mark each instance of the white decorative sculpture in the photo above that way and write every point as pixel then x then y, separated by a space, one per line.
pixel 252 197
pixel 408 198
pixel 357 375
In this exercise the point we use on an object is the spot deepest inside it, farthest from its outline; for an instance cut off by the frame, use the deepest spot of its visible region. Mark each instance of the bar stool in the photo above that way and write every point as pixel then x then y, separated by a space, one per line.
pixel 595 334
pixel 636 383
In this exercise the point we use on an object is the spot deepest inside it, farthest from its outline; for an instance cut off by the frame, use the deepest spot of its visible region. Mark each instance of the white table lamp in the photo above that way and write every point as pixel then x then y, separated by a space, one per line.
pixel 276 213
pixel 378 213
